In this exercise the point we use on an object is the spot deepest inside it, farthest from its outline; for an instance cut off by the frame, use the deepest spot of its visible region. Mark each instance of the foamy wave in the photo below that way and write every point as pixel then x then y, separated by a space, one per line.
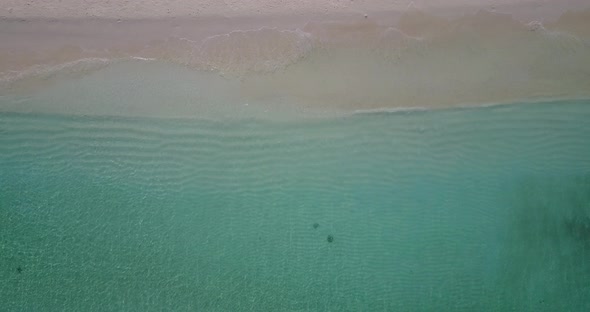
pixel 40 73
pixel 388 110
pixel 43 74
pixel 139 58
pixel 261 50
pixel 174 49
pixel 521 101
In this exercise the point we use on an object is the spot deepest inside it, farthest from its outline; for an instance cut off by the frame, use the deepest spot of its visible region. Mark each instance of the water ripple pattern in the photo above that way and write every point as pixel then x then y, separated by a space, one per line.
pixel 478 209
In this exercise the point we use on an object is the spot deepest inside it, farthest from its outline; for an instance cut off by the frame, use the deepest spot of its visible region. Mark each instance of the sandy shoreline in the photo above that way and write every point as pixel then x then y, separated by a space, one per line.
pixel 60 9
pixel 411 55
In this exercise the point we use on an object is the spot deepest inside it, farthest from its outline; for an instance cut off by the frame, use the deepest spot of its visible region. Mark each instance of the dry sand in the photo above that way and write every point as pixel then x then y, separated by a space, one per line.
pixel 126 9
pixel 334 55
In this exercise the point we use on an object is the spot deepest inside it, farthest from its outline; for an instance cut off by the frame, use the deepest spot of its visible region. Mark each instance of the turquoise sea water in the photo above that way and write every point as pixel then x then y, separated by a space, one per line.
pixel 480 209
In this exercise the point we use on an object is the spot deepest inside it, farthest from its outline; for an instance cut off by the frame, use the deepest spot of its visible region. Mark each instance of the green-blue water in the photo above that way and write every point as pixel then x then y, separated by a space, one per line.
pixel 482 209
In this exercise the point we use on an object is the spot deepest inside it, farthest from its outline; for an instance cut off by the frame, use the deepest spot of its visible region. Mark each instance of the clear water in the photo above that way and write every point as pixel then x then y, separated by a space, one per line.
pixel 482 209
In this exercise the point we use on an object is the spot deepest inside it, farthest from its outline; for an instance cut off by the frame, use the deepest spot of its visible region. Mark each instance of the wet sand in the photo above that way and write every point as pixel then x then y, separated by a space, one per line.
pixel 340 59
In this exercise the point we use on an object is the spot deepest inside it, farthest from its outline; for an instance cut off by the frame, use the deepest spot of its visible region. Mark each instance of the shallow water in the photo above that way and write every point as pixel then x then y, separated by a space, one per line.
pixel 479 209
pixel 345 62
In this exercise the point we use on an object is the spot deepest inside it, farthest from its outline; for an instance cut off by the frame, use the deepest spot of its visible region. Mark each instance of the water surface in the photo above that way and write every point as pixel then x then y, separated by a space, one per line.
pixel 479 209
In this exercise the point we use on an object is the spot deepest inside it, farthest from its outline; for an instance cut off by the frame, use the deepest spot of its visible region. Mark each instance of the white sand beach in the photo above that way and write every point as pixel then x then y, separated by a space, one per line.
pixel 306 55
pixel 197 8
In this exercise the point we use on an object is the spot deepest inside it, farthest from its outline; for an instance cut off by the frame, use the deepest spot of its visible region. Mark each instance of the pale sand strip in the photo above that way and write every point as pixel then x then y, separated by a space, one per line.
pixel 440 56
pixel 127 9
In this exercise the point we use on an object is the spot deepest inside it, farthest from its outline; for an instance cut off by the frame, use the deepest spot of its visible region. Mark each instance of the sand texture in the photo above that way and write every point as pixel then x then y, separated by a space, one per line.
pixel 304 56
